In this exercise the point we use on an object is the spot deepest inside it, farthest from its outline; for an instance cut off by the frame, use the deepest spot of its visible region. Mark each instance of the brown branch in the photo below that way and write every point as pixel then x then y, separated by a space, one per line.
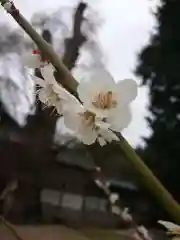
pixel 73 44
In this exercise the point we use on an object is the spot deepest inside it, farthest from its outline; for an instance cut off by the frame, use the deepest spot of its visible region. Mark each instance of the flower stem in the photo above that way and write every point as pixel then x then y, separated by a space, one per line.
pixel 151 182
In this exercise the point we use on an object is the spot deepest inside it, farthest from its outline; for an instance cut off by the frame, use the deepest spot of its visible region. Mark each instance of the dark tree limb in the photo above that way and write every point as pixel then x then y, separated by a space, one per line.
pixel 73 44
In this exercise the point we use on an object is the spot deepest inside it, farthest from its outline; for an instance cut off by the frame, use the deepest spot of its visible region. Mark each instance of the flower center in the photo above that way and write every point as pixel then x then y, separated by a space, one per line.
pixel 53 96
pixel 88 118
pixel 104 100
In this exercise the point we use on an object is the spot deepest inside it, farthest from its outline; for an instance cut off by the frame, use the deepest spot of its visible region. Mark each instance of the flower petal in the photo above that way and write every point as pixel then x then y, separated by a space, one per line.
pixel 88 136
pixel 48 73
pixel 119 118
pixel 102 79
pixel 65 95
pixel 31 60
pixel 169 225
pixel 43 96
pixel 59 107
pixel 71 120
pixel 39 81
pixel 126 91
pixel 108 135
pixel 113 197
pixel 101 124
pixel 101 141
pixel 99 80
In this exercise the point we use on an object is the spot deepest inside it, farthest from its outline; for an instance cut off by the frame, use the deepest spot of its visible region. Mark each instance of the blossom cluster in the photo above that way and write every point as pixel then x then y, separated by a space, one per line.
pixel 102 107
pixel 173 229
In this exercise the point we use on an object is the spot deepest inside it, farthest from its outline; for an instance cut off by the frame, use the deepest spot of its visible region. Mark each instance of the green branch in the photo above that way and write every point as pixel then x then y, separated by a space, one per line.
pixel 149 180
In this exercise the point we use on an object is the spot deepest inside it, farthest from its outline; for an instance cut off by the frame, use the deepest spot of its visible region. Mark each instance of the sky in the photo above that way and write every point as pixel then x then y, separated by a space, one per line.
pixel 126 29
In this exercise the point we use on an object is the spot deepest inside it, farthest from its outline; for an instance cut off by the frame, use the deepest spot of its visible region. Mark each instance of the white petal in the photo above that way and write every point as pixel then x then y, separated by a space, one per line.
pixel 71 120
pixel 144 232
pixel 102 79
pixel 39 81
pixel 116 210
pixel 102 124
pixel 31 60
pixel 48 73
pixel 59 107
pixel 88 137
pixel 108 135
pixel 119 118
pixel 42 96
pixel 169 225
pixel 72 106
pixel 101 141
pixel 113 197
pixel 65 95
pixel 98 183
pixel 126 91
pixel 99 80
pixel 126 215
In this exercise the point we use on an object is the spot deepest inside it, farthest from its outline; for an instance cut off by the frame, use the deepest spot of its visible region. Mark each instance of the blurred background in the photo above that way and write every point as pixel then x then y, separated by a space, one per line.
pixel 44 167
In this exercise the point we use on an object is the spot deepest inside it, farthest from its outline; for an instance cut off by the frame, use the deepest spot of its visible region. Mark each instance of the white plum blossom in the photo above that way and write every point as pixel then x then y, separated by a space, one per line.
pixel 171 227
pixel 116 210
pixel 85 124
pixel 126 215
pixel 98 183
pixel 113 197
pixel 82 122
pixel 101 95
pixel 34 60
pixel 51 93
pixel 144 232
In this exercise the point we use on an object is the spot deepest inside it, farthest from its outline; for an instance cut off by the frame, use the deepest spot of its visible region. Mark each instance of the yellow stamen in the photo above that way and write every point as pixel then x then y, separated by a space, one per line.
pixel 105 100
pixel 88 118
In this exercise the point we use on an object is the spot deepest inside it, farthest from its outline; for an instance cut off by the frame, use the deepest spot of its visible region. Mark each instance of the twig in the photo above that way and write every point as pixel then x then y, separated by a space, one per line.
pixel 101 181
pixel 74 43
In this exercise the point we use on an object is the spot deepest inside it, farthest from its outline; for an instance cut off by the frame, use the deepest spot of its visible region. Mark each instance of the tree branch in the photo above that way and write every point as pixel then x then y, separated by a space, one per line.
pixel 73 44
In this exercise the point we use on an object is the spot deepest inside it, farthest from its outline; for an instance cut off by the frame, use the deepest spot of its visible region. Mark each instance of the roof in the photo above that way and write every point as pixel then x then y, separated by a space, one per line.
pixel 123 184
pixel 110 158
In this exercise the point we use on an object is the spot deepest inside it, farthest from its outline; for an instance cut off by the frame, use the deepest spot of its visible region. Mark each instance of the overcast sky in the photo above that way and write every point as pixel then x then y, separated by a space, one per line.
pixel 125 31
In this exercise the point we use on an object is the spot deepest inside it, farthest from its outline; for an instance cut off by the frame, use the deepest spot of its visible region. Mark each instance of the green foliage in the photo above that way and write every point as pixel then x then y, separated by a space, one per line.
pixel 159 68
